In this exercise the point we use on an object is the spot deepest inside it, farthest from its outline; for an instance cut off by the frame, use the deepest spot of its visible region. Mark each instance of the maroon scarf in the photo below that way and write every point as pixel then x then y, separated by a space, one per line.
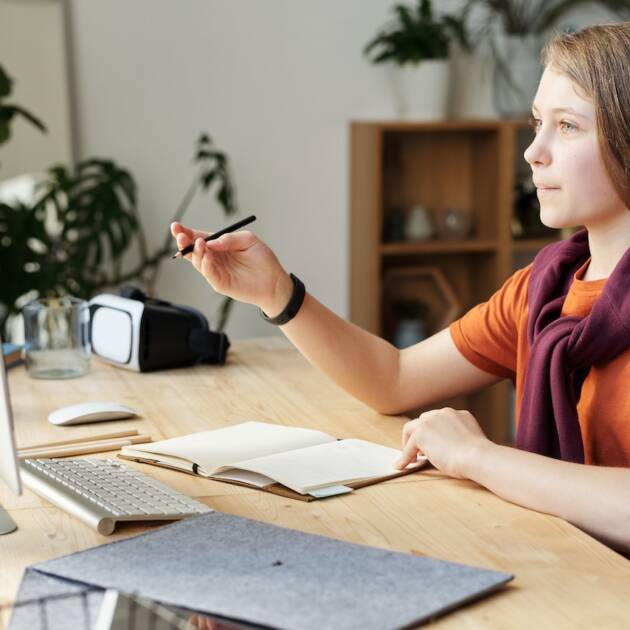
pixel 562 349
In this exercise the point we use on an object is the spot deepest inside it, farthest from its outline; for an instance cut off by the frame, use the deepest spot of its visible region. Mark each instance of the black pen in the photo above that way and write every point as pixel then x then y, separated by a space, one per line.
pixel 225 230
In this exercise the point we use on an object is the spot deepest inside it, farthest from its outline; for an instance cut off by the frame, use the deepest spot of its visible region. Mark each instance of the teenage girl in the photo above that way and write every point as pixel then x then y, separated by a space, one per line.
pixel 559 328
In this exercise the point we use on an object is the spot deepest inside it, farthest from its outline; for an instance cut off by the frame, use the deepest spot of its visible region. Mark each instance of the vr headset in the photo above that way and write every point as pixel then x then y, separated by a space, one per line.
pixel 145 334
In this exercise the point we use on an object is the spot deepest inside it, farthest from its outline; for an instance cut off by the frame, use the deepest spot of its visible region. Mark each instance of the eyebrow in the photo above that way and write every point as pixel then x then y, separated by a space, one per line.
pixel 565 110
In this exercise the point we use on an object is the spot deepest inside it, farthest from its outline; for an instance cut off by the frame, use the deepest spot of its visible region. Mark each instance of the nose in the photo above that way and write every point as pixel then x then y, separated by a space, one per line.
pixel 537 153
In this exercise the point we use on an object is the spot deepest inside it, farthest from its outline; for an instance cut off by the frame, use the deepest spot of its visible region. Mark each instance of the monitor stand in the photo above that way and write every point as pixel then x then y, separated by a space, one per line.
pixel 7 524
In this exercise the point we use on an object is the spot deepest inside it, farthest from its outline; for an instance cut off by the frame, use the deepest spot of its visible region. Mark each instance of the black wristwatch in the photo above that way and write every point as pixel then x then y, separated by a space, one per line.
pixel 292 308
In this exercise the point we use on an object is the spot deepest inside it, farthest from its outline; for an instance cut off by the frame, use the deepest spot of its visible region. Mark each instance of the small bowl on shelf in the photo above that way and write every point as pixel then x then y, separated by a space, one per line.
pixel 454 224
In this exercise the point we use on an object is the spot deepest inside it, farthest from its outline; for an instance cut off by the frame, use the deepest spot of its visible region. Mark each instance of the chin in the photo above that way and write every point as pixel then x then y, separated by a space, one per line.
pixel 557 219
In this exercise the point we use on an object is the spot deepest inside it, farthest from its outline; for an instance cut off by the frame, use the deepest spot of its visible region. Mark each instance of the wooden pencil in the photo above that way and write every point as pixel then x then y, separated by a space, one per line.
pixel 86 448
pixel 82 440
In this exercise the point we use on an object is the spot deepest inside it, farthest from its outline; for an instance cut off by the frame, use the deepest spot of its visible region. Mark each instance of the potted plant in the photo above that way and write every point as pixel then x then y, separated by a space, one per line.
pixel 515 30
pixel 416 45
pixel 72 239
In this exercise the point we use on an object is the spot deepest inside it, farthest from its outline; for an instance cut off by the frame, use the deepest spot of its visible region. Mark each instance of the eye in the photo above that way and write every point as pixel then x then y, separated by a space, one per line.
pixel 535 123
pixel 567 127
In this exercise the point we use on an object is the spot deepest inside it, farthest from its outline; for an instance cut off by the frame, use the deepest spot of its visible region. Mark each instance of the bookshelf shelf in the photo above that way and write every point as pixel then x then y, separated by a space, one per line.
pixel 438 247
pixel 466 165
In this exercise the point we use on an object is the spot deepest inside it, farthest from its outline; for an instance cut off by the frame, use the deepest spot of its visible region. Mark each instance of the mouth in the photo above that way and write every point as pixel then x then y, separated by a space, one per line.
pixel 546 189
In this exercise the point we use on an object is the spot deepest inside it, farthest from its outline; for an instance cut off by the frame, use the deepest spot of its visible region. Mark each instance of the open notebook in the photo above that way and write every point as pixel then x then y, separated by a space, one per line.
pixel 294 462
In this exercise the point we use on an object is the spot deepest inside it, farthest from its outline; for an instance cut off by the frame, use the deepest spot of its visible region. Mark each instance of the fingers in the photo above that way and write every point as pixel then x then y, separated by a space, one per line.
pixel 410 454
pixel 209 270
pixel 178 228
pixel 235 241
pixel 183 241
pixel 203 261
pixel 408 429
pixel 198 253
pixel 410 448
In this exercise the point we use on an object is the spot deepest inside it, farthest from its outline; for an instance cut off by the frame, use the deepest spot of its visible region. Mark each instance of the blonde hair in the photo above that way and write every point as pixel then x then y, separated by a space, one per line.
pixel 597 60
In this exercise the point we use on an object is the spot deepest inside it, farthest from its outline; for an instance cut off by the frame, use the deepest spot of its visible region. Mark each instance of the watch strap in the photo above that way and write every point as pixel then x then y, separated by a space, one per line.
pixel 293 306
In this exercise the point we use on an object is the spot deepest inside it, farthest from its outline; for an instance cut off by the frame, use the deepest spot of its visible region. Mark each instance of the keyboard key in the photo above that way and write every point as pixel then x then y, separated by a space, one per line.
pixel 113 488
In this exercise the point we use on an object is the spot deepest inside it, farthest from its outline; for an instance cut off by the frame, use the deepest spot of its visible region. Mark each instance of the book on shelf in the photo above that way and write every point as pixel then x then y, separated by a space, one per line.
pixel 294 462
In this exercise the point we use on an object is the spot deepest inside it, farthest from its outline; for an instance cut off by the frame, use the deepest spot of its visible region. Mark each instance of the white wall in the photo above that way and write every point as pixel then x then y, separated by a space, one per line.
pixel 275 82
pixel 32 52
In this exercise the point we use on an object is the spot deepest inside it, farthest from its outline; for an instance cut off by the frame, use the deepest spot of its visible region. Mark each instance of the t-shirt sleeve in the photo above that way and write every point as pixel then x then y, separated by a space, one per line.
pixel 487 335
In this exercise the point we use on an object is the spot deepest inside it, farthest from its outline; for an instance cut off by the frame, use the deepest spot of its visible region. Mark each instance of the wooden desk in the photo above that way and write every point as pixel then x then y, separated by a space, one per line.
pixel 564 578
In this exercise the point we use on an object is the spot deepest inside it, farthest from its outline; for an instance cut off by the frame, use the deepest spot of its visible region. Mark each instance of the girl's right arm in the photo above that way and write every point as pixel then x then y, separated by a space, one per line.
pixel 369 368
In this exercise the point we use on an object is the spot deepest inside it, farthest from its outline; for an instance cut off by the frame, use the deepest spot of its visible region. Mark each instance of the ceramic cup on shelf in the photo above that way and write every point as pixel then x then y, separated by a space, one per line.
pixel 454 224
pixel 419 226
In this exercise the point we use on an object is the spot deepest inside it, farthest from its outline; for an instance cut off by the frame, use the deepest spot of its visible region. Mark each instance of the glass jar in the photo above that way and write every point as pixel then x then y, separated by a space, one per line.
pixel 56 335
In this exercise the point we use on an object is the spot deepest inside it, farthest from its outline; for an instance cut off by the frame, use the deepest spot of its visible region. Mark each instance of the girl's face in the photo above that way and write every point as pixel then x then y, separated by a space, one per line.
pixel 572 184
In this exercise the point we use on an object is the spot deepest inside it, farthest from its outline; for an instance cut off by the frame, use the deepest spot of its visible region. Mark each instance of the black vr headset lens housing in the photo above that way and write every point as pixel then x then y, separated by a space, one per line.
pixel 143 334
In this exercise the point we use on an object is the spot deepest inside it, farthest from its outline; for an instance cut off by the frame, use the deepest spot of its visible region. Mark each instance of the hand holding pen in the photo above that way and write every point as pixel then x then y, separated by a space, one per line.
pixel 236 264
pixel 215 235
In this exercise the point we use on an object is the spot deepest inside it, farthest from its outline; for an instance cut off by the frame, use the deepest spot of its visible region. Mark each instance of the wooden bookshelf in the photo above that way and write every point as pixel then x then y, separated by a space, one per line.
pixel 437 247
pixel 531 244
pixel 468 165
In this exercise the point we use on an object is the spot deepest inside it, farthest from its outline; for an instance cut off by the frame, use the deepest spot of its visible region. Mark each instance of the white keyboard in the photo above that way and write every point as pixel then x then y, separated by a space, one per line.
pixel 101 492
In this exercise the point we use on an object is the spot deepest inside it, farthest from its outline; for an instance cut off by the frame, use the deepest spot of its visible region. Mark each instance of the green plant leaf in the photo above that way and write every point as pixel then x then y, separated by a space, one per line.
pixel 5 130
pixel 5 83
pixel 96 203
pixel 404 15
pixel 414 36
pixel 208 178
pixel 15 109
pixel 223 196
pixel 457 27
pixel 223 313
pixel 424 11
pixel 17 225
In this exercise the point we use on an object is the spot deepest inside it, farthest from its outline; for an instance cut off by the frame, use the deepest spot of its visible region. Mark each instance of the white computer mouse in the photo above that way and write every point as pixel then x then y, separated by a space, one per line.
pixel 90 412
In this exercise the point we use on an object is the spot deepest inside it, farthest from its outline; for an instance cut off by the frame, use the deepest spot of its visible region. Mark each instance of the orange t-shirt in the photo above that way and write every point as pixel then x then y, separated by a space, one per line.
pixel 493 336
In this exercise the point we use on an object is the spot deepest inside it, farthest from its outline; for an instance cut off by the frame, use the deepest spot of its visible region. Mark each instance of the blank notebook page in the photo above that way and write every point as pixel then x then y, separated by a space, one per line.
pixel 327 464
pixel 212 449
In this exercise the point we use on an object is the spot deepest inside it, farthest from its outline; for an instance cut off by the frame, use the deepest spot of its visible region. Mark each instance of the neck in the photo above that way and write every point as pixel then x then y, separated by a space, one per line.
pixel 608 242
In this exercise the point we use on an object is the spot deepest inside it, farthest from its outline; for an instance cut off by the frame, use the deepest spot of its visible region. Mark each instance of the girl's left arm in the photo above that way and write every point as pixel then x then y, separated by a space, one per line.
pixel 594 498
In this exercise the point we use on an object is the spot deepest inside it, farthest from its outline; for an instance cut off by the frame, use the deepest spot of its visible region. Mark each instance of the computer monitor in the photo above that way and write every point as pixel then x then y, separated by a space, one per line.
pixel 9 469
